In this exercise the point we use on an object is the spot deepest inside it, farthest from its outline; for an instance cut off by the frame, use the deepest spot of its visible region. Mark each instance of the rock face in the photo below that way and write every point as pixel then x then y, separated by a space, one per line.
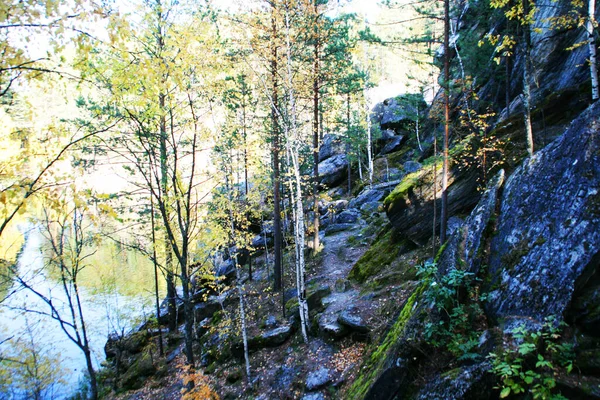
pixel 394 144
pixel 317 379
pixel 393 113
pixel 462 250
pixel 367 196
pixel 549 225
pixel 539 235
pixel 330 146
pixel 410 205
pixel 333 170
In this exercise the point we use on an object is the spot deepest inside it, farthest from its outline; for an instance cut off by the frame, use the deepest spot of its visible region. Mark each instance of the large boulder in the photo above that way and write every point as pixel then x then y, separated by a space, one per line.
pixel 330 146
pixel 333 170
pixel 394 113
pixel 548 230
pixel 394 144
pixel 410 205
pixel 463 248
pixel 367 196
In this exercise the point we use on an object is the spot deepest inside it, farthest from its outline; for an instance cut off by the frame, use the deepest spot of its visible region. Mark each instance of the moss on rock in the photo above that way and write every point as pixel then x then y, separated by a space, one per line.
pixel 375 363
pixel 381 253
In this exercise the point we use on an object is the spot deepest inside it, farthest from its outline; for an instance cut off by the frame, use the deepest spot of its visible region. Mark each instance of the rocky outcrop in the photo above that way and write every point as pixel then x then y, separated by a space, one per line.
pixel 330 146
pixel 410 205
pixel 463 250
pixel 539 234
pixel 333 170
pixel 549 226
pixel 394 113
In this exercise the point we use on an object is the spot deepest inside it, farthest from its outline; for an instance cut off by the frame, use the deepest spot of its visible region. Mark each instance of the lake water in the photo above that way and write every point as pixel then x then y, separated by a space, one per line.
pixel 106 309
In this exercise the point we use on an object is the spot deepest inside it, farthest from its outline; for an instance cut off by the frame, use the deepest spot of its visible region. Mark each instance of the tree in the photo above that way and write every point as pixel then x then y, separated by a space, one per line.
pixel 28 369
pixel 47 20
pixel 67 232
pixel 444 211
pixel 523 13
pixel 161 88
pixel 590 26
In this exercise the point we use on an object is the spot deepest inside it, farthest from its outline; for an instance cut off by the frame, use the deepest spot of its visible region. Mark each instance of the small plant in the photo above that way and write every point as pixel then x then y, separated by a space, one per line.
pixel 531 366
pixel 454 295
pixel 201 389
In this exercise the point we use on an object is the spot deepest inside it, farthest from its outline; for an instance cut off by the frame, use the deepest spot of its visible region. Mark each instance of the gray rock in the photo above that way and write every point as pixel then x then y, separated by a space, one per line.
pixel 462 383
pixel 367 196
pixel 271 321
pixel 330 146
pixel 206 310
pixel 394 113
pixel 388 134
pixel 275 337
pixel 313 396
pixel 226 270
pixel 333 170
pixel 412 212
pixel 454 223
pixel 336 192
pixel 289 294
pixel 394 144
pixel 352 320
pixel 259 241
pixel 314 298
pixel 348 217
pixel 411 166
pixel 548 230
pixel 284 379
pixel 332 329
pixel 333 228
pixel 463 246
pixel 370 208
pixel 317 379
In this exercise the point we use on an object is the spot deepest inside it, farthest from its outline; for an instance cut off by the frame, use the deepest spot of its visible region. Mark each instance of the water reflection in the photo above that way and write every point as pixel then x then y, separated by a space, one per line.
pixel 117 290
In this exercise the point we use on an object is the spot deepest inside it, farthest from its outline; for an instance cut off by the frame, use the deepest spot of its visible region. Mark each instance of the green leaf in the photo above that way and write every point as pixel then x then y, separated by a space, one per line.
pixel 505 392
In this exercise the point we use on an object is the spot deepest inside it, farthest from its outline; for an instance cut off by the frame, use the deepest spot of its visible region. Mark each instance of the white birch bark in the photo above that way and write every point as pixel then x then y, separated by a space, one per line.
pixel 369 138
pixel 592 46
pixel 292 131
pixel 240 287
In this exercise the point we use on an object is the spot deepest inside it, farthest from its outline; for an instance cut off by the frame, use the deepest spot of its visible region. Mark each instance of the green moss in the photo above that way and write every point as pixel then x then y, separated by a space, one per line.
pixel 440 252
pixel 380 254
pixel 374 364
pixel 402 189
pixel 291 303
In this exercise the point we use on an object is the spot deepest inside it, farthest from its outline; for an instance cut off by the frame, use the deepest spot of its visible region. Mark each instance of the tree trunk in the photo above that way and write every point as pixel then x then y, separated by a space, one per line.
pixel 526 78
pixel 316 72
pixel 592 46
pixel 277 270
pixel 369 137
pixel 292 130
pixel 348 143
pixel 444 216
pixel 155 262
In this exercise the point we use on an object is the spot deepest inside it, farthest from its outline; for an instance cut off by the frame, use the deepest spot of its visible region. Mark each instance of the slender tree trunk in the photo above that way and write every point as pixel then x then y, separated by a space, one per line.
pixel 155 261
pixel 369 137
pixel 444 216
pixel 277 268
pixel 508 80
pixel 592 46
pixel 526 78
pixel 239 282
pixel 316 73
pixel 292 130
pixel 164 177
pixel 435 188
pixel 348 143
